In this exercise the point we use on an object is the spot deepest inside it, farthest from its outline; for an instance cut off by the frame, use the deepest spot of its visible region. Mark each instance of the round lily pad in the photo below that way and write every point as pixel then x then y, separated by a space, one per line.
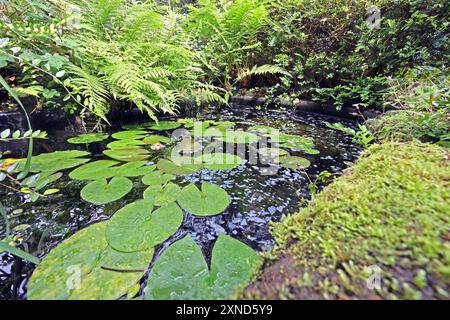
pixel 96 170
pixel 232 265
pixel 156 178
pixel 162 195
pixel 220 161
pixel 56 161
pixel 165 125
pixel 210 132
pixel 239 137
pixel 156 139
pixel 129 135
pixel 128 155
pixel 211 200
pixel 134 169
pixel 272 152
pixel 81 268
pixel 135 126
pixel 135 227
pixel 102 191
pixel 311 151
pixel 294 162
pixel 125 144
pixel 168 166
pixel 88 138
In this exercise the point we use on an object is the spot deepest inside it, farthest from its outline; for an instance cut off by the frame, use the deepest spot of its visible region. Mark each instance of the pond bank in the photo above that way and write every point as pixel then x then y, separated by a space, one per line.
pixel 383 224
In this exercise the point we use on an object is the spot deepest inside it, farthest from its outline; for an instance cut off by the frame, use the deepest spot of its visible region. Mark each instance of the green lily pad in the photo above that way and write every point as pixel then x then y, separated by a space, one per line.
pixel 311 151
pixel 232 265
pixel 135 126
pixel 134 169
pixel 156 139
pixel 96 170
pixel 191 123
pixel 128 155
pixel 210 201
pixel 272 152
pixel 101 192
pixel 168 166
pixel 125 144
pixel 56 161
pixel 239 137
pixel 135 227
pixel 221 161
pixel 88 138
pixel 294 162
pixel 210 132
pixel 162 195
pixel 129 135
pixel 81 269
pixel 156 178
pixel 165 125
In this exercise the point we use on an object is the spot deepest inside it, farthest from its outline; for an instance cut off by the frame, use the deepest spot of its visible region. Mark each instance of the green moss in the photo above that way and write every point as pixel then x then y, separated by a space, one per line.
pixel 390 210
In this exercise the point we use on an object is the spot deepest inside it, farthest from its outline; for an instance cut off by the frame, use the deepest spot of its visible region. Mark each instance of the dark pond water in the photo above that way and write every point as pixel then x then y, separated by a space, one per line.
pixel 257 199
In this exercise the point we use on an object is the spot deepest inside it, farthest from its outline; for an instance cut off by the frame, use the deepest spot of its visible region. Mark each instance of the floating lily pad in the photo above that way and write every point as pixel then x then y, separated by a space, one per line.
pixel 134 169
pixel 311 151
pixel 191 123
pixel 168 166
pixel 56 161
pixel 224 124
pixel 221 161
pixel 263 129
pixel 135 126
pixel 188 146
pixel 156 178
pixel 102 191
pixel 165 125
pixel 239 137
pixel 162 195
pixel 232 265
pixel 211 200
pixel 129 135
pixel 272 152
pixel 294 162
pixel 125 144
pixel 80 269
pixel 135 227
pixel 96 170
pixel 156 139
pixel 88 138
pixel 128 155
pixel 210 132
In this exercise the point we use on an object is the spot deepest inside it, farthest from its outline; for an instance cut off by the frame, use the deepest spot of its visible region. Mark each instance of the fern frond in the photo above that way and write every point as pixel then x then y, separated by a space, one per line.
pixel 262 70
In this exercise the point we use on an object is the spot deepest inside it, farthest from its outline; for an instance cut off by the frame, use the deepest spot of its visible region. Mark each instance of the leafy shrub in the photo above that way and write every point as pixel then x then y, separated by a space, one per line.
pixel 330 44
pixel 421 99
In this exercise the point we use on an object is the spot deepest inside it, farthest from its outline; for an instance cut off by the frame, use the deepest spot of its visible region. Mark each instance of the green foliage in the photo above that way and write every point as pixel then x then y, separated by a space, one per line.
pixel 210 200
pixel 134 52
pixel 102 191
pixel 226 32
pixel 363 136
pixel 421 103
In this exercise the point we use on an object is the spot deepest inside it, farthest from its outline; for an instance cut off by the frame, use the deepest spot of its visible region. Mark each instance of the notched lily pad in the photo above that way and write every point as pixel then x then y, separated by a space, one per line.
pixel 221 161
pixel 125 144
pixel 232 265
pixel 96 170
pixel 156 139
pixel 272 152
pixel 129 135
pixel 294 162
pixel 128 155
pixel 239 137
pixel 165 125
pixel 162 195
pixel 210 201
pixel 135 227
pixel 81 269
pixel 102 191
pixel 157 178
pixel 56 161
pixel 88 138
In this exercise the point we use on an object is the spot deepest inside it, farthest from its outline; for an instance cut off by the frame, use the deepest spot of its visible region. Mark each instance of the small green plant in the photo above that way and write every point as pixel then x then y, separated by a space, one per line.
pixel 362 137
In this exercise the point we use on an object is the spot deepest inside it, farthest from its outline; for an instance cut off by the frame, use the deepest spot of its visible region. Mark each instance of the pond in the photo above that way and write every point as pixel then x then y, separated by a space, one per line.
pixel 259 192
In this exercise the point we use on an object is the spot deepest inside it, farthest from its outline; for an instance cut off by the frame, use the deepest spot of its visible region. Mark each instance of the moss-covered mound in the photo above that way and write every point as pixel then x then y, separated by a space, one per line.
pixel 379 231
